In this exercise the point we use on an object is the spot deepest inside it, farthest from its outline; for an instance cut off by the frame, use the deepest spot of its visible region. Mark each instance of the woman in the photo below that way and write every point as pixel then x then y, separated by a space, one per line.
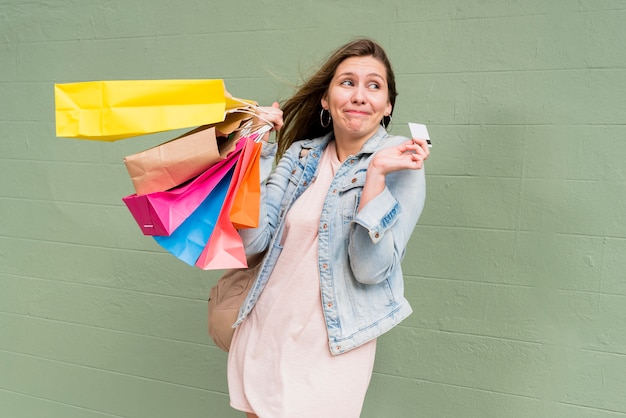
pixel 336 215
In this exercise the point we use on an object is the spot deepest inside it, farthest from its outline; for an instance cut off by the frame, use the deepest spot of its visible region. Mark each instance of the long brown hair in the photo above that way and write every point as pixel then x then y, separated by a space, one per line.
pixel 301 113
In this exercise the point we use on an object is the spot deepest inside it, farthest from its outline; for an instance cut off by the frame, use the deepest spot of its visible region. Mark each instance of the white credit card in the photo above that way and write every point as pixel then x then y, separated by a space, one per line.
pixel 419 131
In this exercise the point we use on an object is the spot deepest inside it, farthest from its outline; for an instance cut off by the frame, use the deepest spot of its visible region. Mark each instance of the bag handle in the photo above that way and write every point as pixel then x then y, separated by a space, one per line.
pixel 249 129
pixel 250 112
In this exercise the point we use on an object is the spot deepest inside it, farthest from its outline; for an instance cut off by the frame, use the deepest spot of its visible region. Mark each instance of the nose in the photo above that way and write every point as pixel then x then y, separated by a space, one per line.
pixel 358 95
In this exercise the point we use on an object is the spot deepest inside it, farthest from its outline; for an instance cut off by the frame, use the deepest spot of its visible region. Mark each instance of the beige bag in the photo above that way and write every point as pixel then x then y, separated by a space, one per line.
pixel 174 162
pixel 227 296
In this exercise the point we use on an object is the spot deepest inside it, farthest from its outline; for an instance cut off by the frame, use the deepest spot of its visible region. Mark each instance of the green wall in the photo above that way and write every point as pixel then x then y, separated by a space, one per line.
pixel 516 272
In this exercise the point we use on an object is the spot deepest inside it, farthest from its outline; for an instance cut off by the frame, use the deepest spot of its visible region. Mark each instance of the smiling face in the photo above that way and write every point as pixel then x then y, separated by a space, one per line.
pixel 358 99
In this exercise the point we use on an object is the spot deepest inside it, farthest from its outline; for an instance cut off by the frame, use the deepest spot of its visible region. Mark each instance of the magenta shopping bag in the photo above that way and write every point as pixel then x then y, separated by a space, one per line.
pixel 160 213
pixel 188 240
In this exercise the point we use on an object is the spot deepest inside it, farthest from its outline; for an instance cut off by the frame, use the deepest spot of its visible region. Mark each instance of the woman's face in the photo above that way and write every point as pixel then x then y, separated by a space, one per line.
pixel 357 98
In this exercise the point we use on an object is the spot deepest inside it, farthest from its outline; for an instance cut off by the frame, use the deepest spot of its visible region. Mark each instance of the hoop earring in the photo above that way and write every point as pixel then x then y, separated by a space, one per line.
pixel 324 125
pixel 385 123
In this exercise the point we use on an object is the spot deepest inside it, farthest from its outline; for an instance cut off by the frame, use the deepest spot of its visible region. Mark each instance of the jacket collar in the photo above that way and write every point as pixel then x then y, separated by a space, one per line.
pixel 372 145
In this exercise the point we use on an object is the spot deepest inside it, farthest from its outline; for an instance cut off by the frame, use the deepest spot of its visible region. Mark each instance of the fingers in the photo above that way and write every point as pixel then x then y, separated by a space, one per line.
pixel 406 156
pixel 417 151
pixel 273 114
pixel 417 148
pixel 423 144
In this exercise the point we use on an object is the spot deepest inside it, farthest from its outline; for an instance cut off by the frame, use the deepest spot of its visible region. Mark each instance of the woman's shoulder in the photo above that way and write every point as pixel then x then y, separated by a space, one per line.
pixel 309 143
pixel 393 140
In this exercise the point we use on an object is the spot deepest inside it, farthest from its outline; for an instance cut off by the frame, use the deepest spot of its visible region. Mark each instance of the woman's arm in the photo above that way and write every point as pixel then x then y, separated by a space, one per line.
pixel 391 202
pixel 256 240
pixel 409 155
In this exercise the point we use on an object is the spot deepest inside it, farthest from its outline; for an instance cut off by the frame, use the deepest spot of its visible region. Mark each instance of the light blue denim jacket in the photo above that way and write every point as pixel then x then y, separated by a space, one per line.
pixel 359 254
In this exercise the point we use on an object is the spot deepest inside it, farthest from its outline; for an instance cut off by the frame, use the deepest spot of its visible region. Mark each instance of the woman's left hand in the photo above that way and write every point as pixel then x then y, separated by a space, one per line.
pixel 410 155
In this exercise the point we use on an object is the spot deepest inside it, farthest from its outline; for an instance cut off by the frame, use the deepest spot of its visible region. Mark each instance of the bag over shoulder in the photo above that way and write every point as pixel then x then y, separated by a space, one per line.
pixel 226 298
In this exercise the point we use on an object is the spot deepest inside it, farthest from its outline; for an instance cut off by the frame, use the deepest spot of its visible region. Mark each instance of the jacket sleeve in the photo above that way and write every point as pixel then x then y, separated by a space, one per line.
pixel 381 229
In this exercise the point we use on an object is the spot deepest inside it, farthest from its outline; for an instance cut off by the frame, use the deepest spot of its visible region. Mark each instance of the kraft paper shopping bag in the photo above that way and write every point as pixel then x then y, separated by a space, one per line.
pixel 174 162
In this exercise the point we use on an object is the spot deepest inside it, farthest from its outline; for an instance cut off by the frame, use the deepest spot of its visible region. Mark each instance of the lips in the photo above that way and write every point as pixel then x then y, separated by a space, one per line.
pixel 357 112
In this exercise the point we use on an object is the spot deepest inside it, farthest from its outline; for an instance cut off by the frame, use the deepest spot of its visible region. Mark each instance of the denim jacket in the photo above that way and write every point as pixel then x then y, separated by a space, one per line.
pixel 359 253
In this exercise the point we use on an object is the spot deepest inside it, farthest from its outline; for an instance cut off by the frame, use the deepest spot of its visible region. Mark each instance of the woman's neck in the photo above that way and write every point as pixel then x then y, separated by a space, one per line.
pixel 347 147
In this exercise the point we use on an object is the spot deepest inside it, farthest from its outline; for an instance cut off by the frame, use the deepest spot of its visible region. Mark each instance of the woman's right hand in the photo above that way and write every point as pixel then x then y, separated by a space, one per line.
pixel 271 114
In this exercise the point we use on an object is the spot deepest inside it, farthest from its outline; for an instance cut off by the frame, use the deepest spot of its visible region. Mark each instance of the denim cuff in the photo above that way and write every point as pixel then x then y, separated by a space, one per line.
pixel 378 215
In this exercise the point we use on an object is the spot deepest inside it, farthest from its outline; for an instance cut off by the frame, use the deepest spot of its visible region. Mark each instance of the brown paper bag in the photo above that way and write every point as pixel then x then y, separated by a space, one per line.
pixel 174 162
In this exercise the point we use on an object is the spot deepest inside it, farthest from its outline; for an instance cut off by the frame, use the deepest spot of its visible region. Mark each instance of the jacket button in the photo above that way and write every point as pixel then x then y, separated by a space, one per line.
pixel 376 235
pixel 324 266
pixel 329 304
pixel 354 180
pixel 325 226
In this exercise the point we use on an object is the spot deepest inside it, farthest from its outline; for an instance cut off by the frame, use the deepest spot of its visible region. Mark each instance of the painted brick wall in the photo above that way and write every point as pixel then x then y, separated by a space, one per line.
pixel 517 271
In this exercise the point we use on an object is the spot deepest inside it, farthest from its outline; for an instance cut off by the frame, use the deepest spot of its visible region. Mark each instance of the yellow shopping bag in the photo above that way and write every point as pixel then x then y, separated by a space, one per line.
pixel 112 110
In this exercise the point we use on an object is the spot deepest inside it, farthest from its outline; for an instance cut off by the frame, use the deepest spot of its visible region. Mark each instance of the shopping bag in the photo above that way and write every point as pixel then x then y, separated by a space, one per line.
pixel 117 109
pixel 174 162
pixel 160 213
pixel 244 212
pixel 224 248
pixel 188 240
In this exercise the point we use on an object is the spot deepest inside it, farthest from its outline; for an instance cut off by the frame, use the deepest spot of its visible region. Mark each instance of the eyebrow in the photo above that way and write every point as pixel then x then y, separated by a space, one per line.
pixel 366 75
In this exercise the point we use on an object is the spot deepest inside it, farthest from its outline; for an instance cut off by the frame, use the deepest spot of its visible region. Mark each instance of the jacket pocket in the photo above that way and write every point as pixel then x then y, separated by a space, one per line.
pixel 370 302
pixel 350 193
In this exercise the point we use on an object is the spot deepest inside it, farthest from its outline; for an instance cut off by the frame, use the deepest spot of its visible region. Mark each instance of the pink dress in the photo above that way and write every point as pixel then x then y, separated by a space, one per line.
pixel 279 364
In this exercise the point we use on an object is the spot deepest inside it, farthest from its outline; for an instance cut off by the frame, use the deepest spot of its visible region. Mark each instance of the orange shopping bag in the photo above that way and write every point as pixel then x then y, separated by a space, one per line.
pixel 244 212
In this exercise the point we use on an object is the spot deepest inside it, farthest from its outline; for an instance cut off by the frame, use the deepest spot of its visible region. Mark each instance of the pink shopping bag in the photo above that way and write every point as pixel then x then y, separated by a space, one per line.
pixel 224 249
